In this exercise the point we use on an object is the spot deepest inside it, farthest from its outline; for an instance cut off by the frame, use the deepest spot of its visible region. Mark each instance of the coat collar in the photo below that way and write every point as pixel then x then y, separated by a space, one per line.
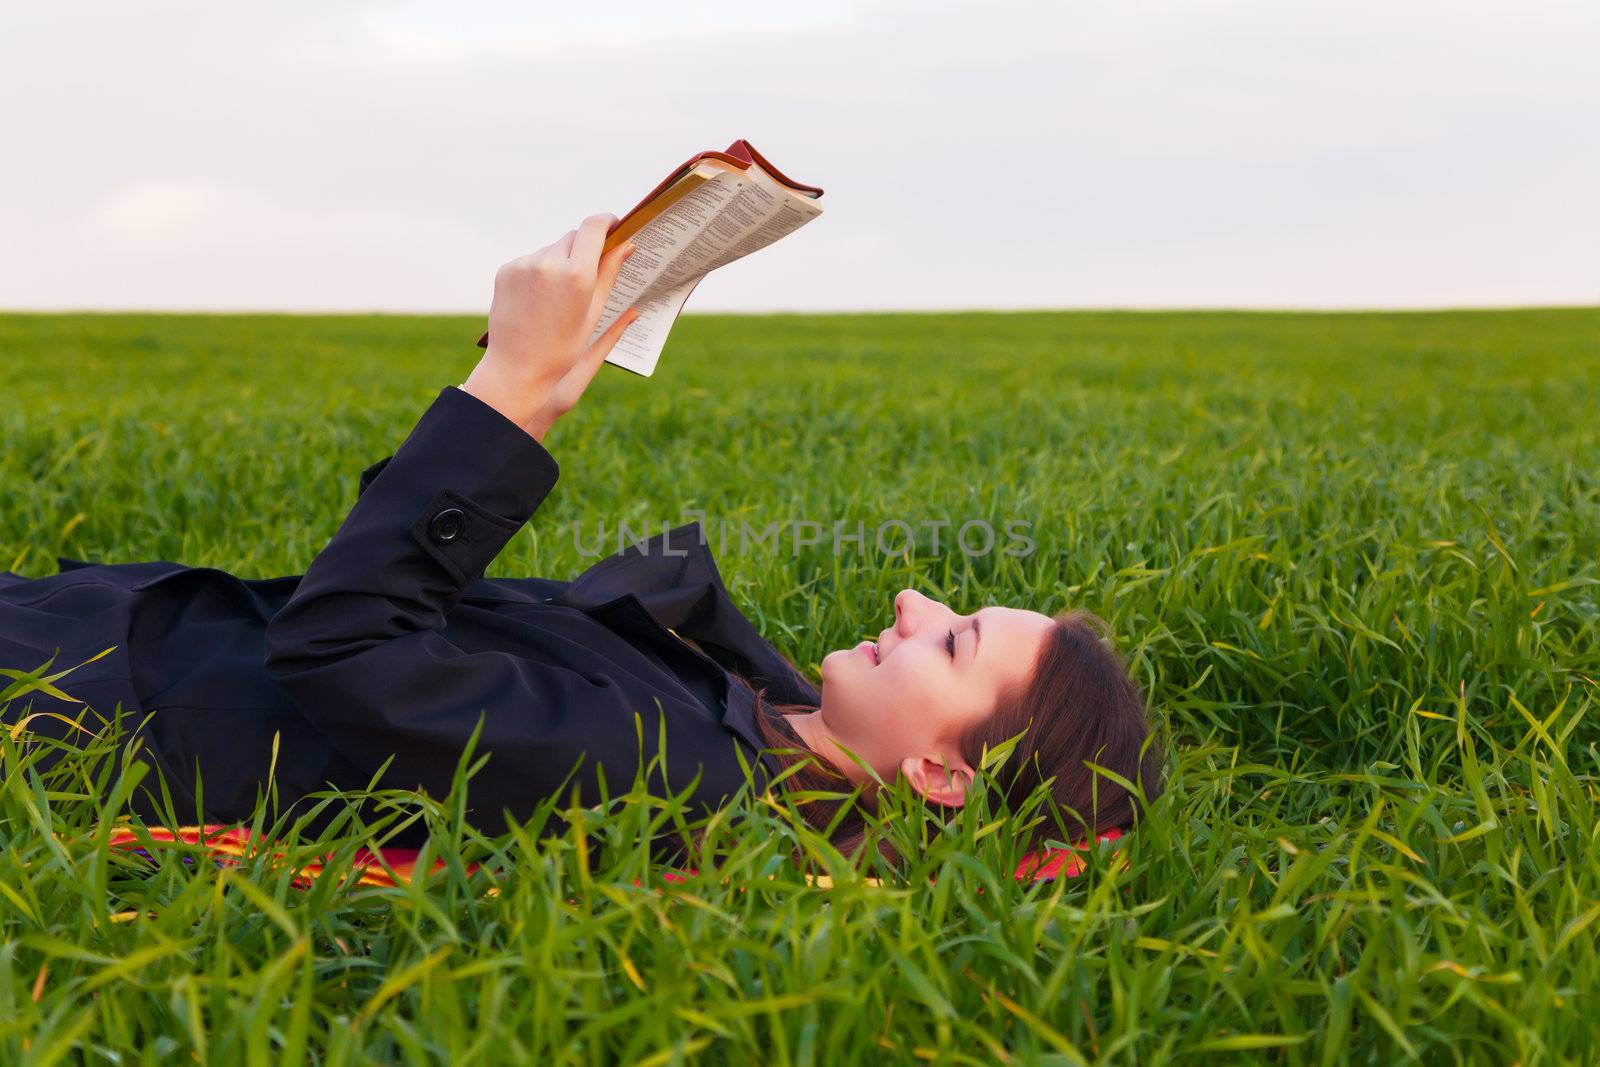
pixel 674 578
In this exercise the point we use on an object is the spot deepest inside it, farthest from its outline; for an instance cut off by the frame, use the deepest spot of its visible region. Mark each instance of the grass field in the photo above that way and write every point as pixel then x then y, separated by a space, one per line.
pixel 1352 557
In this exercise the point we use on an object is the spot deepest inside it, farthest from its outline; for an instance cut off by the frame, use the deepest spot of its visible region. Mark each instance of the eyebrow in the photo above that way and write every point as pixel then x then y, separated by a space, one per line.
pixel 977 638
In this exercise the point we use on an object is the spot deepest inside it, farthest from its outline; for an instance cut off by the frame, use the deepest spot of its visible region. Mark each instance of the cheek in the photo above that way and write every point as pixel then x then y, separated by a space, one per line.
pixel 909 694
pixel 943 705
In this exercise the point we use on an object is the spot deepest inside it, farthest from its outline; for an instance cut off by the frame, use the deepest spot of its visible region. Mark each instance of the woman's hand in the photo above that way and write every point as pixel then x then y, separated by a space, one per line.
pixel 545 307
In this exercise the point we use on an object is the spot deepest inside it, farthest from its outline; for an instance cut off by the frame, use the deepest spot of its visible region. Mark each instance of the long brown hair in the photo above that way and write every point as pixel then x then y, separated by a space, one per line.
pixel 1080 707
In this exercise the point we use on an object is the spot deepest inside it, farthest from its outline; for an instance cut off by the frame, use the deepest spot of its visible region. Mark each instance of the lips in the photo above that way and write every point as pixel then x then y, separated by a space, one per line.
pixel 871 650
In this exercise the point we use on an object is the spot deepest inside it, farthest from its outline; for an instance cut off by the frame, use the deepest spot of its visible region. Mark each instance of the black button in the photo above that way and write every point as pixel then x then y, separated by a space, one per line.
pixel 447 525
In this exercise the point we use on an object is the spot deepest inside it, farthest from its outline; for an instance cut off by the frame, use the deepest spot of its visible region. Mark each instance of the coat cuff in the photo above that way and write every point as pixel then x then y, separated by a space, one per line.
pixel 470 476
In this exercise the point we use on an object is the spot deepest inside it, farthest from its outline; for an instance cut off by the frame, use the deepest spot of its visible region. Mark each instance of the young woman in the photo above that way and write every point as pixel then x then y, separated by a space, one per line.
pixel 386 653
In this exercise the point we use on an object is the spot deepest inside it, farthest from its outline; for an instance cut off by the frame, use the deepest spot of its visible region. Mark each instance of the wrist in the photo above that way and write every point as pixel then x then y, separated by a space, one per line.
pixel 517 397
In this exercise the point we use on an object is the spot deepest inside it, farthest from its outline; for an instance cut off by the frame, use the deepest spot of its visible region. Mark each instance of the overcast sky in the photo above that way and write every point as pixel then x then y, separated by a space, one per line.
pixel 366 156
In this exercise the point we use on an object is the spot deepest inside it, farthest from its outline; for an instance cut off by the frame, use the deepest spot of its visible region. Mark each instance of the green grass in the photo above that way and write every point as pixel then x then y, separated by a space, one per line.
pixel 1352 557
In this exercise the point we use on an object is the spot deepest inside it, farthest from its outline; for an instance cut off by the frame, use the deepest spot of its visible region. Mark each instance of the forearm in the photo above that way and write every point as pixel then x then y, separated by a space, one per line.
pixel 444 505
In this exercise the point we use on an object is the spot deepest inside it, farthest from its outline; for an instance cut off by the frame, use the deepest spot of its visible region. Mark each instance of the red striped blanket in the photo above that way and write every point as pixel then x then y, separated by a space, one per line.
pixel 397 866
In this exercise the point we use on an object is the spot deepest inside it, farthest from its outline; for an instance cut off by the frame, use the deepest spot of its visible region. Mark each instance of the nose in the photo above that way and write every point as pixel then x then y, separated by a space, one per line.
pixel 897 623
pixel 902 609
pixel 908 606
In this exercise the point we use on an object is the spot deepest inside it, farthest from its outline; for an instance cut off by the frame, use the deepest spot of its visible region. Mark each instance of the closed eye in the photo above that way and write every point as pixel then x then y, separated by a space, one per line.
pixel 950 643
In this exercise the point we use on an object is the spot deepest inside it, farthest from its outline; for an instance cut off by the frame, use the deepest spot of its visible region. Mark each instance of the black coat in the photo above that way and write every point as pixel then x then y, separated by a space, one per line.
pixel 393 642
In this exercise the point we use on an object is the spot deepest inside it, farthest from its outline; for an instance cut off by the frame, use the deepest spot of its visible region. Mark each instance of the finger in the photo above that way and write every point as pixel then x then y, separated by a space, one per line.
pixel 590 239
pixel 610 266
pixel 564 246
pixel 607 341
pixel 596 353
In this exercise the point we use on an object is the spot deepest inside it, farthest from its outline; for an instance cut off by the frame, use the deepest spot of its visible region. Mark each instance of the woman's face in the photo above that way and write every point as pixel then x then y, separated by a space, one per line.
pixel 902 702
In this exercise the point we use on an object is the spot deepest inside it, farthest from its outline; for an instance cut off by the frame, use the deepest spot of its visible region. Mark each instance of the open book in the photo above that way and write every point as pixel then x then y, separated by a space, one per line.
pixel 715 208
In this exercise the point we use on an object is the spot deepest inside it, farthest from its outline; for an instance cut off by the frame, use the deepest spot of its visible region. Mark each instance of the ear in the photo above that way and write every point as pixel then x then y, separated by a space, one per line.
pixel 928 777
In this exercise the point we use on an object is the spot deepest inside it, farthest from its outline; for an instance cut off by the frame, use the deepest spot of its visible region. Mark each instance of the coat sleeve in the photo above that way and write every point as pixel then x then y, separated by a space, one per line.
pixel 359 646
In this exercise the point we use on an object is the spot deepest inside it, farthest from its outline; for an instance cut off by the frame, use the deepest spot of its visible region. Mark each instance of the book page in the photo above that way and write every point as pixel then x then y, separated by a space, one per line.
pixel 727 216
pixel 776 214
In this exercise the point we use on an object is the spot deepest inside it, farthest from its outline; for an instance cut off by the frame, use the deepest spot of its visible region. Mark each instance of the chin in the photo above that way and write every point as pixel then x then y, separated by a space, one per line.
pixel 836 656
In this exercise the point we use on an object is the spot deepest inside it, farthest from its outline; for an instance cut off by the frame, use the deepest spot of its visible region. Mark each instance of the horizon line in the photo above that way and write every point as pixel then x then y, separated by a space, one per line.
pixel 1085 309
